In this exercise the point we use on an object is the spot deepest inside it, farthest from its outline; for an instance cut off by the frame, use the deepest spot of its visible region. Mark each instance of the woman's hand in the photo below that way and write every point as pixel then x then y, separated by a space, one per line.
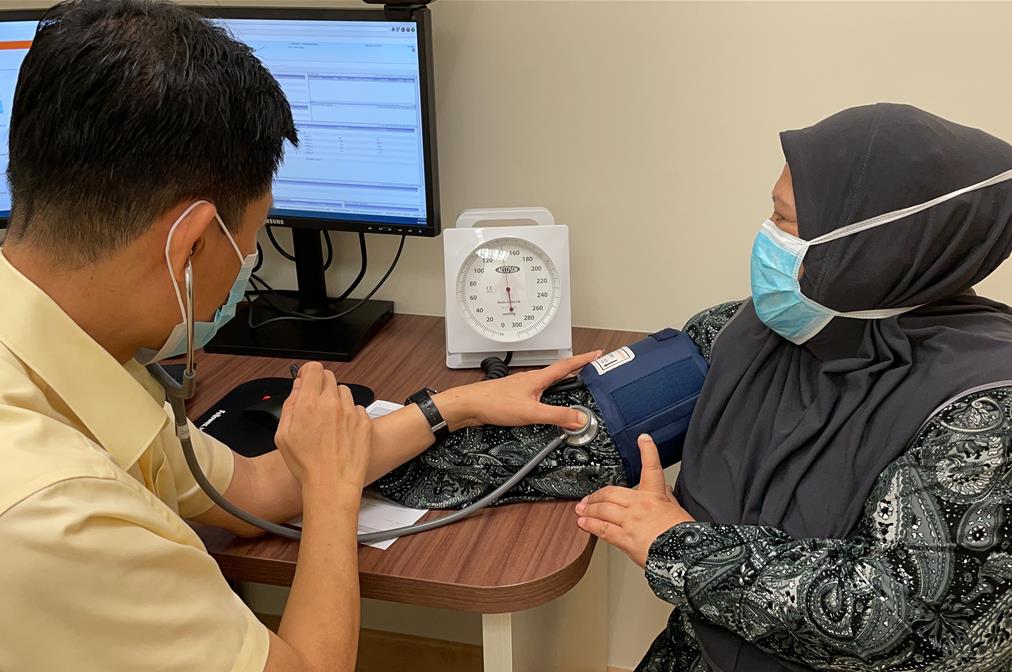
pixel 631 520
pixel 513 401
pixel 323 436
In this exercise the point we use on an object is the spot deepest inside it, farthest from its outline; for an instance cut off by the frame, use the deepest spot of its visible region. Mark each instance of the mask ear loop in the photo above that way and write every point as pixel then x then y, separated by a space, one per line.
pixel 168 259
pixel 231 240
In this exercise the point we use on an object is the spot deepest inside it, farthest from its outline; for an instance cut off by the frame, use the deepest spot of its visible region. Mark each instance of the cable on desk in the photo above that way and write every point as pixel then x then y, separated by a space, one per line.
pixel 294 316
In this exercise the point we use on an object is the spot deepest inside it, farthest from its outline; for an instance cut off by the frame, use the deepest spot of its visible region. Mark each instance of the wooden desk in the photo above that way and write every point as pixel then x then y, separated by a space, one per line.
pixel 509 564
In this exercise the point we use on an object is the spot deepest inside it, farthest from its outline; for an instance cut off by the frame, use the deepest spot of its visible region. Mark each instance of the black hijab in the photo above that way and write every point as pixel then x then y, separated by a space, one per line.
pixel 794 437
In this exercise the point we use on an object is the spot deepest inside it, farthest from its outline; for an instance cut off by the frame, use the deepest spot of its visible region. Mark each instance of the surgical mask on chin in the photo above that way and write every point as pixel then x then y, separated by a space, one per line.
pixel 203 332
pixel 776 263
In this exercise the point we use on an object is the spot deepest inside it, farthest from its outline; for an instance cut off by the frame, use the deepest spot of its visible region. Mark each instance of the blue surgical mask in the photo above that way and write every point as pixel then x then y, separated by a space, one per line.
pixel 776 290
pixel 776 265
pixel 203 332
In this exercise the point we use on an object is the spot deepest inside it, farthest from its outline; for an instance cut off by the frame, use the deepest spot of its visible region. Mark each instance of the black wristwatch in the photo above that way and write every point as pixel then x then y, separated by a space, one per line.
pixel 423 398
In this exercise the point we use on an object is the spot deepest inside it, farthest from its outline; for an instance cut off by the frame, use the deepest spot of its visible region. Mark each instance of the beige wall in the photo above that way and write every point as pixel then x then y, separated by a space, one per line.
pixel 651 129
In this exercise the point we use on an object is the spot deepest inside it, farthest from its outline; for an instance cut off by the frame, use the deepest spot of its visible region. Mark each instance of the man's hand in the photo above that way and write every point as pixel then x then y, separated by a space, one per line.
pixel 513 401
pixel 631 520
pixel 323 437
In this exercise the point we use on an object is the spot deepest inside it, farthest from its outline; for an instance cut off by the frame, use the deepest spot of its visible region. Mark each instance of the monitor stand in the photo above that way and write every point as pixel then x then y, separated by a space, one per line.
pixel 333 340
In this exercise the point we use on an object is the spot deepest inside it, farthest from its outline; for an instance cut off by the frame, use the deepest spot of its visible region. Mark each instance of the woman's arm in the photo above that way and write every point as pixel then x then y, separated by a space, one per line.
pixel 515 401
pixel 924 581
pixel 473 462
pixel 265 486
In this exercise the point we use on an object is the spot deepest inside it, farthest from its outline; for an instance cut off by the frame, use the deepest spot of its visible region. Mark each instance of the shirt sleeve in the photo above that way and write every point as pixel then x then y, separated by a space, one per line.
pixel 217 462
pixel 925 580
pixel 98 575
pixel 704 327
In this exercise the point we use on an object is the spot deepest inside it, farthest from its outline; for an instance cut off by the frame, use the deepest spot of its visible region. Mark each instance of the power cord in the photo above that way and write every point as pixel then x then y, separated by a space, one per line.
pixel 260 257
pixel 330 250
pixel 294 316
pixel 364 256
pixel 291 257
pixel 277 245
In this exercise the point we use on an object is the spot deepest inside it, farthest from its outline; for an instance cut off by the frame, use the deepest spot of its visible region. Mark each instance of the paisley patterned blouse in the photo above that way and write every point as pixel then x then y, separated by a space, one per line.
pixel 922 584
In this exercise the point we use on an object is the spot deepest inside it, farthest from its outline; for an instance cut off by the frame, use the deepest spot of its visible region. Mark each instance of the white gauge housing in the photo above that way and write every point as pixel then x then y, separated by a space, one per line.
pixel 507 289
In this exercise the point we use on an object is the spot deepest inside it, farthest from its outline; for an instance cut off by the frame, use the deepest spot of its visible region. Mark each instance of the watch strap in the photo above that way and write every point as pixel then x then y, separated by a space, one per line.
pixel 423 399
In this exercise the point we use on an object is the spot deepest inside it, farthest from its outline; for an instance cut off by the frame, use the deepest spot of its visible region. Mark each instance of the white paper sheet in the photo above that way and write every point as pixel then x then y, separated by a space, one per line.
pixel 379 408
pixel 377 512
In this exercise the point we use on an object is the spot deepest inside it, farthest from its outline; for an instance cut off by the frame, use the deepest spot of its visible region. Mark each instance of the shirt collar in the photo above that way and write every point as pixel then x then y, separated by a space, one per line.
pixel 107 397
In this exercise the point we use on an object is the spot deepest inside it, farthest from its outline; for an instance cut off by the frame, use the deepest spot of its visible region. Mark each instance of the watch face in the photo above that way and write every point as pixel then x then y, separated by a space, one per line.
pixel 508 290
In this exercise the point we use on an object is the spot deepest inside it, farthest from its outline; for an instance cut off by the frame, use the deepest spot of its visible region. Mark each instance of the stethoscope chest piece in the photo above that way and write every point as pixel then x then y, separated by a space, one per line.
pixel 587 433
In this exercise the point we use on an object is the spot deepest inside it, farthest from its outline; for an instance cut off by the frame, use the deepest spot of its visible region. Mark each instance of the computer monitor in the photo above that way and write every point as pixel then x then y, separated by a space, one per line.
pixel 360 83
pixel 17 30
pixel 360 87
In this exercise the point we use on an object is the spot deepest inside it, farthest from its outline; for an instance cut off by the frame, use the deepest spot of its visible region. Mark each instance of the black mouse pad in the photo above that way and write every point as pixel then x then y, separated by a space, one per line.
pixel 227 422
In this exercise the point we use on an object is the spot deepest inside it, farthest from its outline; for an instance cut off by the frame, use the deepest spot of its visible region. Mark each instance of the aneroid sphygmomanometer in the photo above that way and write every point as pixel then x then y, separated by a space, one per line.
pixel 649 387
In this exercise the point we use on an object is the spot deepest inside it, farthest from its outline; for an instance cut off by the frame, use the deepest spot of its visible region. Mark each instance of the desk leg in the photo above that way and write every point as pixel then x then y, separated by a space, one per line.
pixel 569 634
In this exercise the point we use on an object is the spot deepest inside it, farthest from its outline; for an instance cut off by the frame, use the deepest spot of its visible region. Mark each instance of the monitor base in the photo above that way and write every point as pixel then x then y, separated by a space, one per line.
pixel 336 340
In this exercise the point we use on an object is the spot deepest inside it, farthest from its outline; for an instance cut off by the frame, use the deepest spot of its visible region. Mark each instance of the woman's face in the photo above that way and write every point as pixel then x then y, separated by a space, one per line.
pixel 784 215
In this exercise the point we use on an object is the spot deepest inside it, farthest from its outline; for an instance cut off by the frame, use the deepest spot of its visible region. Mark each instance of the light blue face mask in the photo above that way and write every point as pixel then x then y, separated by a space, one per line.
pixel 776 264
pixel 203 332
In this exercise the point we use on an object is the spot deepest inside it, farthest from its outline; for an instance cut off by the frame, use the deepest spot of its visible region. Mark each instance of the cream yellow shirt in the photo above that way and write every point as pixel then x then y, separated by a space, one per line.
pixel 98 570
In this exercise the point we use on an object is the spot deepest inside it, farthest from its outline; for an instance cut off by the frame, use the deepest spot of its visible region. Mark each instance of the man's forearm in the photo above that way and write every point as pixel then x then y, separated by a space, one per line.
pixel 405 433
pixel 321 618
pixel 265 487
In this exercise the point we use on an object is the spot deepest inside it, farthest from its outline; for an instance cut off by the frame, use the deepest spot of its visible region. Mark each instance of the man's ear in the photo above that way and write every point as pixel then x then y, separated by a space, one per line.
pixel 188 237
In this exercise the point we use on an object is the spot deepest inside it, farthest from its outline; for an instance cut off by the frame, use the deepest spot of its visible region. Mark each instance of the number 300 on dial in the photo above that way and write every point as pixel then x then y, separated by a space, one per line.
pixel 508 290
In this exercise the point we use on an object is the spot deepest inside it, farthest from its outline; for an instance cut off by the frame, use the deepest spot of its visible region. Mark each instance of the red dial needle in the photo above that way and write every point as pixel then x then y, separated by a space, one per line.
pixel 509 295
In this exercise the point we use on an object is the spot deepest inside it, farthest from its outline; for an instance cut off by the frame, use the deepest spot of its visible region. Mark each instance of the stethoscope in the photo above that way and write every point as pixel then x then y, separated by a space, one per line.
pixel 178 393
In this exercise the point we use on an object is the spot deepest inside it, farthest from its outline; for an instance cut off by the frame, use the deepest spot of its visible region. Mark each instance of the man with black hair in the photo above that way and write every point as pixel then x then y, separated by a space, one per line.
pixel 143 145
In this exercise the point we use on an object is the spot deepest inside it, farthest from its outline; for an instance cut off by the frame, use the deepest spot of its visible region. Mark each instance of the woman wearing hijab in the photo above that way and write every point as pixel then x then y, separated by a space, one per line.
pixel 845 496
pixel 849 460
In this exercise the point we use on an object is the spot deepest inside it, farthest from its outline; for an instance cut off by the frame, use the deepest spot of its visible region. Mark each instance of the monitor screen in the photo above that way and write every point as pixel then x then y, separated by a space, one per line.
pixel 360 91
pixel 15 39
pixel 356 90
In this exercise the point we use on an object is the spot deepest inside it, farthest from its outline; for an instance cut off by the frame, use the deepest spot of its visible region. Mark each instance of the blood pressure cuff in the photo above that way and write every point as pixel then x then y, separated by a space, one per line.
pixel 651 388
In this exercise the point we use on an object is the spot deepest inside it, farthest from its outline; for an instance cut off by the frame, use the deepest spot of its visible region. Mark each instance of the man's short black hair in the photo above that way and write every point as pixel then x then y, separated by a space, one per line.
pixel 127 108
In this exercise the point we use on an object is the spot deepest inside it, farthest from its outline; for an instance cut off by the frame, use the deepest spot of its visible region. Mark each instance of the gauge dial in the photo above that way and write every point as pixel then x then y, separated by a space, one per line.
pixel 508 290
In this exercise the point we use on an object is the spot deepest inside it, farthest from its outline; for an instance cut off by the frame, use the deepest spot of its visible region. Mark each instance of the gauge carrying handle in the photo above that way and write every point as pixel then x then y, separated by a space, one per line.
pixel 470 218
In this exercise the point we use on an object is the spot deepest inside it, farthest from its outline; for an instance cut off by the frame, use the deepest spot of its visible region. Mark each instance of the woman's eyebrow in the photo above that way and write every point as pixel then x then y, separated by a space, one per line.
pixel 780 203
